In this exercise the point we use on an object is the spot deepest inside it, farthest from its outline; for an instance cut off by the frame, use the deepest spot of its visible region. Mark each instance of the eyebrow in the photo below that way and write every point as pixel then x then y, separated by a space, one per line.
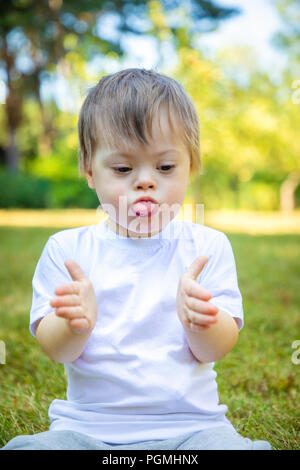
pixel 156 154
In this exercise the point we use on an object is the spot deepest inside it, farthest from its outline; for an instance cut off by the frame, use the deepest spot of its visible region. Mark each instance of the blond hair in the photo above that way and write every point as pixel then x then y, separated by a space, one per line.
pixel 121 107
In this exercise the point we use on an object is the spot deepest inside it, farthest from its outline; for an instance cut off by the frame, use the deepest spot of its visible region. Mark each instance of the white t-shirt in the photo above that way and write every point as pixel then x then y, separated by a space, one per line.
pixel 137 378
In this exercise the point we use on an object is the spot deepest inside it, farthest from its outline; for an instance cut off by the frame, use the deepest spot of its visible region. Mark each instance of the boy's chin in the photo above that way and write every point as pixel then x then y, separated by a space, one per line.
pixel 144 227
pixel 140 227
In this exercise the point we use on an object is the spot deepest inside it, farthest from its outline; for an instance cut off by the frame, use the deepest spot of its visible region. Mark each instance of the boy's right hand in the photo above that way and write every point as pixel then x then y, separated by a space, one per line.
pixel 76 301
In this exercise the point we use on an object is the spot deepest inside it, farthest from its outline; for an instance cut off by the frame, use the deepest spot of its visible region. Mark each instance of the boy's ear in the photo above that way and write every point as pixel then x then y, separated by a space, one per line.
pixel 89 177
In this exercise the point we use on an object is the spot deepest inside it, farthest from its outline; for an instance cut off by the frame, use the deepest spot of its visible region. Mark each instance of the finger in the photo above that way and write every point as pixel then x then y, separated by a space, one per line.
pixel 195 327
pixel 196 267
pixel 75 270
pixel 70 312
pixel 201 306
pixel 79 324
pixel 193 289
pixel 65 300
pixel 200 319
pixel 71 288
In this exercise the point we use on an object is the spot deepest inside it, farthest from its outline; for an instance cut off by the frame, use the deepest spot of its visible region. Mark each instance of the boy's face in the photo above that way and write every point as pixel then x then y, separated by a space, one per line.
pixel 121 175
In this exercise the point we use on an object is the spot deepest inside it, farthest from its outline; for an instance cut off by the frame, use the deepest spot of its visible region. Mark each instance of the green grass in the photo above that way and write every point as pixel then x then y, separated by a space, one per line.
pixel 257 380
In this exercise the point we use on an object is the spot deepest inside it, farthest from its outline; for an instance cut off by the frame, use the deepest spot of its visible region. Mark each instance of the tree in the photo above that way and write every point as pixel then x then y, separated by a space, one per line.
pixel 248 127
pixel 289 40
pixel 49 29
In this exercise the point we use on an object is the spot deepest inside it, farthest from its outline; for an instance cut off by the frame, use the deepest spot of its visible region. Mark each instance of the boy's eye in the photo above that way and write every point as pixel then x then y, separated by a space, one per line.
pixel 124 169
pixel 167 167
pixel 121 169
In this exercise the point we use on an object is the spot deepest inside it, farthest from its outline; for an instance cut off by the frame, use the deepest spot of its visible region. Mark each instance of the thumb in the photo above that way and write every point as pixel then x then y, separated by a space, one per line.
pixel 75 270
pixel 196 267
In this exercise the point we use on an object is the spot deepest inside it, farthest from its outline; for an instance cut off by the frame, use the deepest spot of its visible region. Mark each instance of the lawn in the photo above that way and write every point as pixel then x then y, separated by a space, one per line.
pixel 258 380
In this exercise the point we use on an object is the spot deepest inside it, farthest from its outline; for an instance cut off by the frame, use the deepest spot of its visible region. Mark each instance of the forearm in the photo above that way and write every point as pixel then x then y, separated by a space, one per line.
pixel 57 339
pixel 215 342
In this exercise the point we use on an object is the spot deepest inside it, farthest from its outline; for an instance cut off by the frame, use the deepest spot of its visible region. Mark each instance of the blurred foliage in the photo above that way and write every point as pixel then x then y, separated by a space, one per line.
pixel 289 38
pixel 70 193
pixel 22 190
pixel 249 127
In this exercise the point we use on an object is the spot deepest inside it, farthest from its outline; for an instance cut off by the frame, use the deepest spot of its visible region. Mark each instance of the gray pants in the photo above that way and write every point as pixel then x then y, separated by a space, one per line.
pixel 218 438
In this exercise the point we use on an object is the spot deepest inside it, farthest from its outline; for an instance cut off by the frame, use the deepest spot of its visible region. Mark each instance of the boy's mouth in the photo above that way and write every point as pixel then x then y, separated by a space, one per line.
pixel 143 208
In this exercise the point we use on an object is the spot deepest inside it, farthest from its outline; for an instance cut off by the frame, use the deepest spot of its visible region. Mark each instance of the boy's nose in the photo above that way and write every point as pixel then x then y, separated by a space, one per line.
pixel 145 180
pixel 144 185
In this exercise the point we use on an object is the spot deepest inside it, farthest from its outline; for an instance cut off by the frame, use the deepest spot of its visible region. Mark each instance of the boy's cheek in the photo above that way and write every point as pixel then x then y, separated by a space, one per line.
pixel 109 191
pixel 116 203
pixel 119 202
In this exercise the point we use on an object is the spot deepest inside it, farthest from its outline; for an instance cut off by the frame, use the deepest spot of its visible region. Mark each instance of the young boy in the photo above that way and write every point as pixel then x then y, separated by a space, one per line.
pixel 138 307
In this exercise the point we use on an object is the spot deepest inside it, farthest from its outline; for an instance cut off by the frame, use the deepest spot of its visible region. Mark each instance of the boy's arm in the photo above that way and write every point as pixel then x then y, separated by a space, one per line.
pixel 57 340
pixel 215 342
pixel 218 331
pixel 63 333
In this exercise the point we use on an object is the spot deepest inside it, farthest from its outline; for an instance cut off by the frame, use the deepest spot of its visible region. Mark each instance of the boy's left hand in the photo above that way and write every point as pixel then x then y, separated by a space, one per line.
pixel 193 308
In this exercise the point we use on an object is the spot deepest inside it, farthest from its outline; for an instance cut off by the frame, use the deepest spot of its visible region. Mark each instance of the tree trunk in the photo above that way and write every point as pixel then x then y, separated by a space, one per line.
pixel 13 109
pixel 12 153
pixel 287 192
pixel 14 116
pixel 45 139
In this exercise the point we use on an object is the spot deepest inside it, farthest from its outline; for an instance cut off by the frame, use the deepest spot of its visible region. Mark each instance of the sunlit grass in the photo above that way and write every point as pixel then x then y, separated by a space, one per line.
pixel 252 222
pixel 257 381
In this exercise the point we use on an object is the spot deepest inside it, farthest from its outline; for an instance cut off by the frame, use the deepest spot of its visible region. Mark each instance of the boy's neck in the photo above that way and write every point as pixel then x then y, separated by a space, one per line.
pixel 124 232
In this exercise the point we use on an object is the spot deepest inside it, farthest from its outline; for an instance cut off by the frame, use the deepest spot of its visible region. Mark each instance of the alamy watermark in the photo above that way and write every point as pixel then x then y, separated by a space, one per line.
pixel 296 93
pixel 2 353
pixel 295 359
pixel 158 221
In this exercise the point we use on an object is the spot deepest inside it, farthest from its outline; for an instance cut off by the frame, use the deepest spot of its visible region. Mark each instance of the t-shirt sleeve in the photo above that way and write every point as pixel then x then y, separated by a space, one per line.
pixel 50 272
pixel 219 277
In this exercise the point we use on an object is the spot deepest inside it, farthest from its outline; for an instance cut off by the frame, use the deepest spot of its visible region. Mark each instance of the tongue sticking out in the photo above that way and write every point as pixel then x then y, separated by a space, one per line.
pixel 143 208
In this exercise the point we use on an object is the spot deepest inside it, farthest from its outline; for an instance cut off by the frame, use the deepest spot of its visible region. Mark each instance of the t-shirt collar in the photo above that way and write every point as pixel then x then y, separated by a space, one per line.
pixel 162 239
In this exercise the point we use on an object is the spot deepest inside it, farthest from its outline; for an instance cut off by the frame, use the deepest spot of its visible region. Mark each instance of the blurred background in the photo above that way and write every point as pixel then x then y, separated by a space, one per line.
pixel 238 59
